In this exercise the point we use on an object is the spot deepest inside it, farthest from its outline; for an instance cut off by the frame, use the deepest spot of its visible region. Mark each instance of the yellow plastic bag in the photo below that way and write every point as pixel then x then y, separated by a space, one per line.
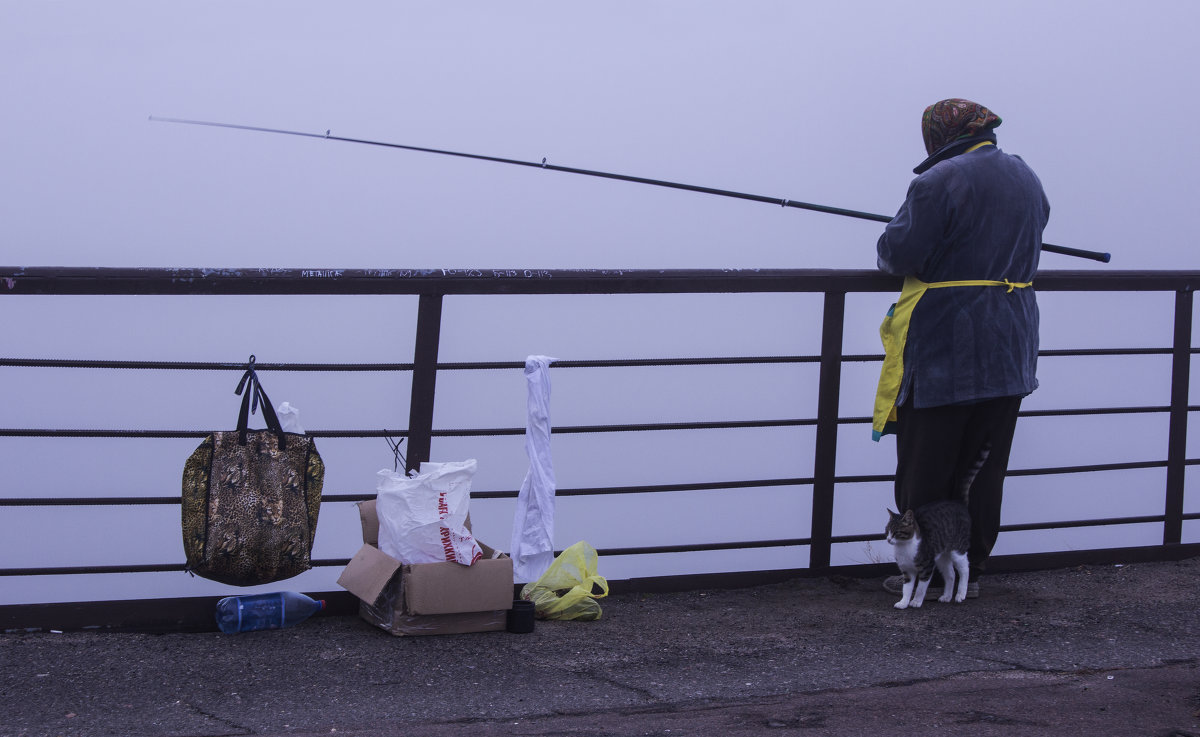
pixel 567 589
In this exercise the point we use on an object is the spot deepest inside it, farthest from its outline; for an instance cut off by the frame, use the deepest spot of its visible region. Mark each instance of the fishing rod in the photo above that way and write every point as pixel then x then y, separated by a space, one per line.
pixel 1077 252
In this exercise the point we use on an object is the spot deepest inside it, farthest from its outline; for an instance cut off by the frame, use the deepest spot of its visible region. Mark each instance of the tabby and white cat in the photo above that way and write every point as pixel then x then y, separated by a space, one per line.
pixel 935 535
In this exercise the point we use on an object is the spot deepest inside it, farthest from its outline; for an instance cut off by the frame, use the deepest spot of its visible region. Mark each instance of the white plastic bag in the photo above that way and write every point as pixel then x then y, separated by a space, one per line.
pixel 424 519
pixel 532 548
pixel 289 418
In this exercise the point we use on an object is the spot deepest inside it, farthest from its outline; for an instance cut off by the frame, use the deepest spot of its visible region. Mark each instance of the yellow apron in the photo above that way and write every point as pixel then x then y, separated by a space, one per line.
pixel 894 333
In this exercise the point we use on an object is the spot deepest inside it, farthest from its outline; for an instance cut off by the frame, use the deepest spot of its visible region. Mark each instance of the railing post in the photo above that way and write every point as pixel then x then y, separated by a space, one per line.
pixel 828 399
pixel 425 357
pixel 1181 365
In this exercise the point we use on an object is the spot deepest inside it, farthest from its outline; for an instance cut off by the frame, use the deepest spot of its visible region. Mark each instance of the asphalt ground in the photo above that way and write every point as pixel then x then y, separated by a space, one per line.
pixel 1100 650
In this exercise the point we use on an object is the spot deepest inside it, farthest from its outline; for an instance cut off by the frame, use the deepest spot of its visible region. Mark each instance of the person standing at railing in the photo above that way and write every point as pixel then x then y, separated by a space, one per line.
pixel 961 342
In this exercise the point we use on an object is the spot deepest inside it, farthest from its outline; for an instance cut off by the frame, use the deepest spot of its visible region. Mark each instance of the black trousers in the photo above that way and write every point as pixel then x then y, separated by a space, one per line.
pixel 935 449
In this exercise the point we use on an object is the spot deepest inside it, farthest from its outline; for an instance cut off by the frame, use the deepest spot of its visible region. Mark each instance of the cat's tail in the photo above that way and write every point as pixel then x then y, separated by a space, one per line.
pixel 964 489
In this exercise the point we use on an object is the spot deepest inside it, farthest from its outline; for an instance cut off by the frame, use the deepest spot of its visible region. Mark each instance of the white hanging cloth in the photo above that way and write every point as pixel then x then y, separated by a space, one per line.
pixel 532 548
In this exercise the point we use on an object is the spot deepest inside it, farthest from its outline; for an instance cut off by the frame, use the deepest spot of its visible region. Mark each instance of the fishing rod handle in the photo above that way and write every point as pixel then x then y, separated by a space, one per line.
pixel 1078 252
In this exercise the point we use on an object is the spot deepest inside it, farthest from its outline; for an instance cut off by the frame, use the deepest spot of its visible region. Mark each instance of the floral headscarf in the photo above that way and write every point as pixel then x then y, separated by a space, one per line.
pixel 949 120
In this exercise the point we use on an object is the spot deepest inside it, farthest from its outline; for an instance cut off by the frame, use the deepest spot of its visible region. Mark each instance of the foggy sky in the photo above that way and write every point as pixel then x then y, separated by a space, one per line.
pixel 806 101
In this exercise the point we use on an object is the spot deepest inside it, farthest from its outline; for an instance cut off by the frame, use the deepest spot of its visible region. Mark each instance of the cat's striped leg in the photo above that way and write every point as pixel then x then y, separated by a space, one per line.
pixel 947 566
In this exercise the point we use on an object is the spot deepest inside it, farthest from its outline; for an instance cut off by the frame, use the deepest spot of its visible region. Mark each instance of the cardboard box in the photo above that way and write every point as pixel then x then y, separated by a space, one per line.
pixel 427 598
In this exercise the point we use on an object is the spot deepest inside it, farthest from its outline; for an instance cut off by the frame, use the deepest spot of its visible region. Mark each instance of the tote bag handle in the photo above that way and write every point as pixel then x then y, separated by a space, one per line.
pixel 252 393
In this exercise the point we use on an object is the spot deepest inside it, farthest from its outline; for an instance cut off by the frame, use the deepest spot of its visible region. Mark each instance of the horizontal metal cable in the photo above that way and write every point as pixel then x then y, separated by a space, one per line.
pixel 507 365
pixel 341 562
pixel 122 501
pixel 643 550
pixel 151 568
pixel 600 490
pixel 475 494
pixel 1127 466
pixel 1055 353
pixel 1034 526
pixel 648 427
pixel 169 434
pixel 99 501
pixel 198 365
pixel 633 362
pixel 705 547
pixel 347 498
pixel 1078 412
pixel 861 357
pixel 1153 409
pixel 447 433
pixel 1044 471
pixel 655 488
pixel 447 366
pixel 866 538
pixel 1049 353
pixel 1028 526
pixel 562 430
pixel 9 432
pixel 88 570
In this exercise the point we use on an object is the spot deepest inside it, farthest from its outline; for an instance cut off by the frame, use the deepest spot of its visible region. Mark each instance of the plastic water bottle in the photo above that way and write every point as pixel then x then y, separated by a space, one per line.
pixel 265 611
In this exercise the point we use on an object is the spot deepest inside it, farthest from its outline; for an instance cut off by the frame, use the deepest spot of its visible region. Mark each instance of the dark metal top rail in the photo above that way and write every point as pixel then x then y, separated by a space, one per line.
pixel 232 281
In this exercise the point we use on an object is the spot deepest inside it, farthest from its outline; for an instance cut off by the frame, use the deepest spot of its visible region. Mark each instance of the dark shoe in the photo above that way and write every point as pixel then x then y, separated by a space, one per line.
pixel 894 585
pixel 972 589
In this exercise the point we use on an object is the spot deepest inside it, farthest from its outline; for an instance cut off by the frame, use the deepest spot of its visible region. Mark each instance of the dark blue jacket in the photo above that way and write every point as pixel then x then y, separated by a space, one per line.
pixel 978 215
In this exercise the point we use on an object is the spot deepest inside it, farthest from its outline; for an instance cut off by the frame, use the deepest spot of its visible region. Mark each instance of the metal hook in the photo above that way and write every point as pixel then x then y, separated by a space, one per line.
pixel 543 162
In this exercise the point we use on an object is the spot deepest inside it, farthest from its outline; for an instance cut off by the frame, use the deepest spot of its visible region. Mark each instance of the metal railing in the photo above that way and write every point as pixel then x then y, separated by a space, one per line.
pixel 433 286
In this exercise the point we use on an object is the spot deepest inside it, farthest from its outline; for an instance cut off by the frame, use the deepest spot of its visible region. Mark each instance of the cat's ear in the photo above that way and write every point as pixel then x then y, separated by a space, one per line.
pixel 908 516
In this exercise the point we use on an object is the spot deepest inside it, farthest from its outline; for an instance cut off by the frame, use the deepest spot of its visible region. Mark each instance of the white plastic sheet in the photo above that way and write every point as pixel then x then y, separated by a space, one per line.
pixel 532 548
pixel 423 519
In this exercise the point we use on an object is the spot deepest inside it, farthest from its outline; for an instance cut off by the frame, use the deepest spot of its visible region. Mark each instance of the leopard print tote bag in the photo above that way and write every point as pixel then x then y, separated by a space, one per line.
pixel 251 498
